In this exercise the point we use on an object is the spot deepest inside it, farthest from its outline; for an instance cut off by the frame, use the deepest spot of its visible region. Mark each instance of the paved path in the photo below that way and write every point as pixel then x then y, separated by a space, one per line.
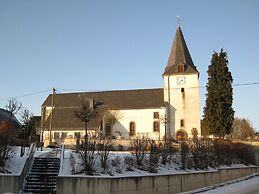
pixel 249 186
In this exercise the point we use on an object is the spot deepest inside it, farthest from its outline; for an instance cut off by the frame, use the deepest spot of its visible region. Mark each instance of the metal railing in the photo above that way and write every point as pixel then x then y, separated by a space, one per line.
pixel 62 155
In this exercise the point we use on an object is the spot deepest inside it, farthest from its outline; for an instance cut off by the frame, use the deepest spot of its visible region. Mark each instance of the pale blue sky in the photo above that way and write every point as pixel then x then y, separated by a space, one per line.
pixel 122 44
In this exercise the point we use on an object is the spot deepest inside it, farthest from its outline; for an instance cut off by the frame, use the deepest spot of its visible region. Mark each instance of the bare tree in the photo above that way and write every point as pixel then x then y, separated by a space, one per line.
pixel 139 149
pixel 242 129
pixel 111 116
pixel 164 121
pixel 86 112
pixel 104 148
pixel 86 151
pixel 13 106
pixel 27 123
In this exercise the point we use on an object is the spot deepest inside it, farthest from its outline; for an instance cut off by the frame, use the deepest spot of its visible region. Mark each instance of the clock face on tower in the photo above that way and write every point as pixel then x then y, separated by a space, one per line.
pixel 180 80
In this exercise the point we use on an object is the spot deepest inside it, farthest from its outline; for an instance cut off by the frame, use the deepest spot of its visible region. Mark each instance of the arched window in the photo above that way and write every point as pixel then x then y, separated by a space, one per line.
pixel 132 129
pixel 181 135
pixel 156 126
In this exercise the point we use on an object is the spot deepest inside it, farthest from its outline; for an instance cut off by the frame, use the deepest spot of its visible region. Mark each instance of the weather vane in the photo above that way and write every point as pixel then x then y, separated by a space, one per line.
pixel 178 20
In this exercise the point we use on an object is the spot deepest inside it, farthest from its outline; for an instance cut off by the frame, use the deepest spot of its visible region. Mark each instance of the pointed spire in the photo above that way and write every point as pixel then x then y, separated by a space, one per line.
pixel 180 60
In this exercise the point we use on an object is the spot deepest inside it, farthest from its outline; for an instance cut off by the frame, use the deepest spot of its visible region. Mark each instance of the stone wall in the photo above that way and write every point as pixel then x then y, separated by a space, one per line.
pixel 161 184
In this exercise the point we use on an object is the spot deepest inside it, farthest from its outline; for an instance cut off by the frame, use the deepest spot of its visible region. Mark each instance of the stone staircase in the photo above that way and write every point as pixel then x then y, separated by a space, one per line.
pixel 43 176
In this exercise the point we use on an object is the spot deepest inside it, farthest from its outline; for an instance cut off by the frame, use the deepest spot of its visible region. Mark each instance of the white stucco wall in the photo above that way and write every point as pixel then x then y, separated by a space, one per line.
pixel 143 119
pixel 183 105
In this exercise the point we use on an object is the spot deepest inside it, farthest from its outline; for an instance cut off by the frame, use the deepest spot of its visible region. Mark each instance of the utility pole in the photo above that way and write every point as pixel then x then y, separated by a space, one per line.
pixel 51 116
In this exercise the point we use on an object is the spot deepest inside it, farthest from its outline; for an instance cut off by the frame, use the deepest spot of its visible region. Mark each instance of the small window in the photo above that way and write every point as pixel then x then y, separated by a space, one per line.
pixel 56 135
pixel 70 136
pixel 156 115
pixel 182 90
pixel 77 135
pixel 182 123
pixel 156 126
pixel 107 130
pixel 181 69
pixel 63 135
pixel 132 131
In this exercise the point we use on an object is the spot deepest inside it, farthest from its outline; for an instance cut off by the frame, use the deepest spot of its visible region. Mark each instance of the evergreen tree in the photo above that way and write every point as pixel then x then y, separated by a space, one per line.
pixel 218 111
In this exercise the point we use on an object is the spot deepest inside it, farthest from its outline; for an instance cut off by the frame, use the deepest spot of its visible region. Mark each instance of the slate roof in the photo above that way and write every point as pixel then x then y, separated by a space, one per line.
pixel 117 99
pixel 5 116
pixel 179 55
pixel 64 119
pixel 66 104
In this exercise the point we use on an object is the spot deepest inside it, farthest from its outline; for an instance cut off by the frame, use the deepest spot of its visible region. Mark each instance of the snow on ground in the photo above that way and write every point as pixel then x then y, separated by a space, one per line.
pixel 15 164
pixel 72 167
pixel 248 185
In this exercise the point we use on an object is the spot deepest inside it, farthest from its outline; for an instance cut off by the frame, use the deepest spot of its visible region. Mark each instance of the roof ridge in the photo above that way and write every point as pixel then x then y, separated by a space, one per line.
pixel 115 90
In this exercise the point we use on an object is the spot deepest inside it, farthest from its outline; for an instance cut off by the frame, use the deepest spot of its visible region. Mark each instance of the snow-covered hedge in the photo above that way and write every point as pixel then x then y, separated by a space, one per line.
pixel 147 156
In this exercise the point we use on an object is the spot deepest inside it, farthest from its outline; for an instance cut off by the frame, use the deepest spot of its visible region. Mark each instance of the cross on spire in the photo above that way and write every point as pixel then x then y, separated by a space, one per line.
pixel 178 20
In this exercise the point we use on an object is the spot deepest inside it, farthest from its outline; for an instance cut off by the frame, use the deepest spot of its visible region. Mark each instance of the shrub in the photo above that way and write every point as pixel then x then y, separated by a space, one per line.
pixel 139 149
pixel 5 151
pixel 129 161
pixel 120 147
pixel 243 153
pixel 88 156
pixel 167 150
pixel 223 152
pixel 201 152
pixel 104 149
pixel 184 154
pixel 117 163
pixel 153 157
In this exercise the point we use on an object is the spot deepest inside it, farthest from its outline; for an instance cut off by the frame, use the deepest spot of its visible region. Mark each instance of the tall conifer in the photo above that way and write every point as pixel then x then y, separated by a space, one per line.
pixel 218 111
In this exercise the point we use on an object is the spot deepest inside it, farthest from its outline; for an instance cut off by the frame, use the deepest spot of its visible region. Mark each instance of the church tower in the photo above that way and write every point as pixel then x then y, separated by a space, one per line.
pixel 181 91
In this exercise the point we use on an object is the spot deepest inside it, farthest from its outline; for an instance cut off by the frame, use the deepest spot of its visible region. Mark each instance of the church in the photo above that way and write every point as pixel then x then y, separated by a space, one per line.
pixel 172 111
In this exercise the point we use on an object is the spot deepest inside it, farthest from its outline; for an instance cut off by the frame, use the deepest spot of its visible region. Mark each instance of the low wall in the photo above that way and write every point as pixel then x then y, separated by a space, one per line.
pixel 161 184
pixel 9 183
pixel 14 183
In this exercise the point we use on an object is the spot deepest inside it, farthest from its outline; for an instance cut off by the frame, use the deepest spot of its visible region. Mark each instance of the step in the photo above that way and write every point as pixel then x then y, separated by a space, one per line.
pixel 40 183
pixel 51 183
pixel 32 180
pixel 44 173
pixel 44 170
pixel 43 176
pixel 46 159
pixel 40 186
pixel 37 175
pixel 46 162
pixel 43 167
pixel 39 191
